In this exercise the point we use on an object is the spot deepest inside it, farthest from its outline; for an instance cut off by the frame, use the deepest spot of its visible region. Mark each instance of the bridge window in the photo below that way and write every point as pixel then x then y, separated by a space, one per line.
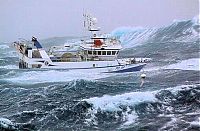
pixel 94 52
pixel 99 52
pixel 108 52
pixel 113 52
pixel 104 53
pixel 89 52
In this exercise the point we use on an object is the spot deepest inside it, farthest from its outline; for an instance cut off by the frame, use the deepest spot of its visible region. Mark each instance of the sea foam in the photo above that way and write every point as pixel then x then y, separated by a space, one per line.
pixel 190 64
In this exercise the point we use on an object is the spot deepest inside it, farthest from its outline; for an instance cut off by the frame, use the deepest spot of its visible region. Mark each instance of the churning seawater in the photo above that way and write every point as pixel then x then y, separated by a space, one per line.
pixel 37 99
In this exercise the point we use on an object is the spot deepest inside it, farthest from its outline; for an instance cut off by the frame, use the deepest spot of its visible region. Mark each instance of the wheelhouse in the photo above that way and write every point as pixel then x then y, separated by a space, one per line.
pixel 100 49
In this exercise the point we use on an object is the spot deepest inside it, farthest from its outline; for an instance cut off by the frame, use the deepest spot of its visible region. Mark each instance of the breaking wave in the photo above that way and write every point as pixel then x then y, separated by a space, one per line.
pixel 9 67
pixel 37 99
pixel 131 107
pixel 38 76
pixel 190 64
pixel 6 51
pixel 2 47
pixel 81 104
pixel 178 31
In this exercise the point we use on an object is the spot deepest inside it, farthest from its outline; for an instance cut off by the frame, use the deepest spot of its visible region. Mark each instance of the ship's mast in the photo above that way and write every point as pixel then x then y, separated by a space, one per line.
pixel 90 23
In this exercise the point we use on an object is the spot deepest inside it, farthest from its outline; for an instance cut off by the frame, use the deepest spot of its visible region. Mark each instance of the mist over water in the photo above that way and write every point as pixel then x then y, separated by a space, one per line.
pixel 66 100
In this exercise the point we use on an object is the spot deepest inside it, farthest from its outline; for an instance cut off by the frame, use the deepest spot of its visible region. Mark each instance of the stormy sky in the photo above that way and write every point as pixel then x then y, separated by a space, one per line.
pixel 57 18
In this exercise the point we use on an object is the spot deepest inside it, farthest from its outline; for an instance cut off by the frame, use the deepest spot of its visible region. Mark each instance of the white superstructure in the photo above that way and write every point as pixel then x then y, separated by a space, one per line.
pixel 97 54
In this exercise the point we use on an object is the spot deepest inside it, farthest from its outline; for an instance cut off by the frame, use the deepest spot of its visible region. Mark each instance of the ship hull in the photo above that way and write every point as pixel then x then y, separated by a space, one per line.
pixel 115 66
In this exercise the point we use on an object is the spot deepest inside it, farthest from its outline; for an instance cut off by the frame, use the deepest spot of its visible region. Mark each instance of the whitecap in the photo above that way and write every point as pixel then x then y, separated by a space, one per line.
pixel 33 77
pixel 196 123
pixel 118 32
pixel 113 103
pixel 4 46
pixel 9 67
pixel 190 64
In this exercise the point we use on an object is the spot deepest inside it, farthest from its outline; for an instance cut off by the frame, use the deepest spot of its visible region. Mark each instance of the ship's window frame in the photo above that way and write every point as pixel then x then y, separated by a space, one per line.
pixel 108 52
pixel 103 52
pixel 94 52
pixel 89 52
pixel 99 53
pixel 113 52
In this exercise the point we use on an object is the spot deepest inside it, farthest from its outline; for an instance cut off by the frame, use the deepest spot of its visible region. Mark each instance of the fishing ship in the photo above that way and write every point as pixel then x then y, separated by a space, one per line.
pixel 99 54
